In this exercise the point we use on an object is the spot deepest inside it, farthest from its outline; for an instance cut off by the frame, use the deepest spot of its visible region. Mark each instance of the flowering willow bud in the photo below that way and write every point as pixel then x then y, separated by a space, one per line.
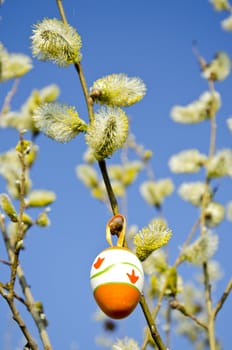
pixel 197 110
pixel 23 147
pixel 193 192
pixel 88 175
pixel 13 65
pixel 8 207
pixel 27 220
pixel 49 93
pixel 219 68
pixel 227 23
pixel 58 121
pixel 214 214
pixel 40 198
pixel 150 238
pixel 31 156
pixel 43 220
pixel 125 344
pixel 202 249
pixel 127 173
pixel 156 263
pixel 188 161
pixel 220 5
pixel 108 132
pixel 52 40
pixel 147 155
pixel 40 310
pixel 220 164
pixel 118 90
pixel 154 192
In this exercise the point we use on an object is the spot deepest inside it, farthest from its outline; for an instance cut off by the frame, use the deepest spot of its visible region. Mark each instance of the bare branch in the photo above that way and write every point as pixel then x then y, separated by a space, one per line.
pixel 175 304
pixel 222 299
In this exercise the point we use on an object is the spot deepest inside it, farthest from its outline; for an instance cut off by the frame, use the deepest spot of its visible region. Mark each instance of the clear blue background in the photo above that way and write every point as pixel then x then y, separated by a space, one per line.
pixel 150 39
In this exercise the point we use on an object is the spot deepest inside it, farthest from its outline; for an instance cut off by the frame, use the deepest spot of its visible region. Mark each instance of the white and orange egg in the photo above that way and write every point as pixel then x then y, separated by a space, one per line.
pixel 117 280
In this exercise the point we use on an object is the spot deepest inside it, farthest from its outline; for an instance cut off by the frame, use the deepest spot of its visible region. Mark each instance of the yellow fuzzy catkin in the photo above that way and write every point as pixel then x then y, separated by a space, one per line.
pixel 151 238
pixel 118 90
pixel 58 121
pixel 52 40
pixel 108 132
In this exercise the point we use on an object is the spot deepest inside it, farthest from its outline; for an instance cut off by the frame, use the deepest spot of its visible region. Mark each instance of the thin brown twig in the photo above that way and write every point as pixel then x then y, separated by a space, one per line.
pixel 19 238
pixel 175 304
pixel 187 241
pixel 162 292
pixel 78 67
pixel 213 124
pixel 9 96
pixel 155 312
pixel 16 296
pixel 208 299
pixel 168 326
pixel 88 99
pixel 61 11
pixel 29 300
pixel 207 283
pixel 151 324
pixel 222 299
pixel 212 144
pixel 5 262
pixel 110 192
pixel 17 317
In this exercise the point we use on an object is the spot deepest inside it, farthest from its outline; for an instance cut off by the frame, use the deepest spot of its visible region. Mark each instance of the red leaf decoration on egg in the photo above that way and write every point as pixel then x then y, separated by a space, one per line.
pixel 133 278
pixel 98 262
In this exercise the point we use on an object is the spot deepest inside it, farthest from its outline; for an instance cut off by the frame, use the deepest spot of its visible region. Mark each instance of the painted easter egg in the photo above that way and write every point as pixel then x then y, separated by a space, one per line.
pixel 117 279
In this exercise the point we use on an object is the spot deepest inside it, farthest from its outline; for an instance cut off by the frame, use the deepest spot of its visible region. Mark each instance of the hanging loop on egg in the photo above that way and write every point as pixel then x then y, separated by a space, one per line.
pixel 116 226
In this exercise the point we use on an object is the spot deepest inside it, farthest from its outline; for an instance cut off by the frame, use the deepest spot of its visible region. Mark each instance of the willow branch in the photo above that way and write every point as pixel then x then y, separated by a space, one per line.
pixel 61 11
pixel 207 284
pixel 9 96
pixel 175 304
pixel 110 192
pixel 163 290
pixel 187 241
pixel 222 299
pixel 29 300
pixel 5 262
pixel 16 316
pixel 213 124
pixel 78 67
pixel 168 326
pixel 88 99
pixel 208 299
pixel 151 324
pixel 16 296
pixel 17 248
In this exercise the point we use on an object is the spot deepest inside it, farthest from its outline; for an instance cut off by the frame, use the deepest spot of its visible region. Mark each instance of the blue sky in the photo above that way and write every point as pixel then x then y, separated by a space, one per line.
pixel 149 39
